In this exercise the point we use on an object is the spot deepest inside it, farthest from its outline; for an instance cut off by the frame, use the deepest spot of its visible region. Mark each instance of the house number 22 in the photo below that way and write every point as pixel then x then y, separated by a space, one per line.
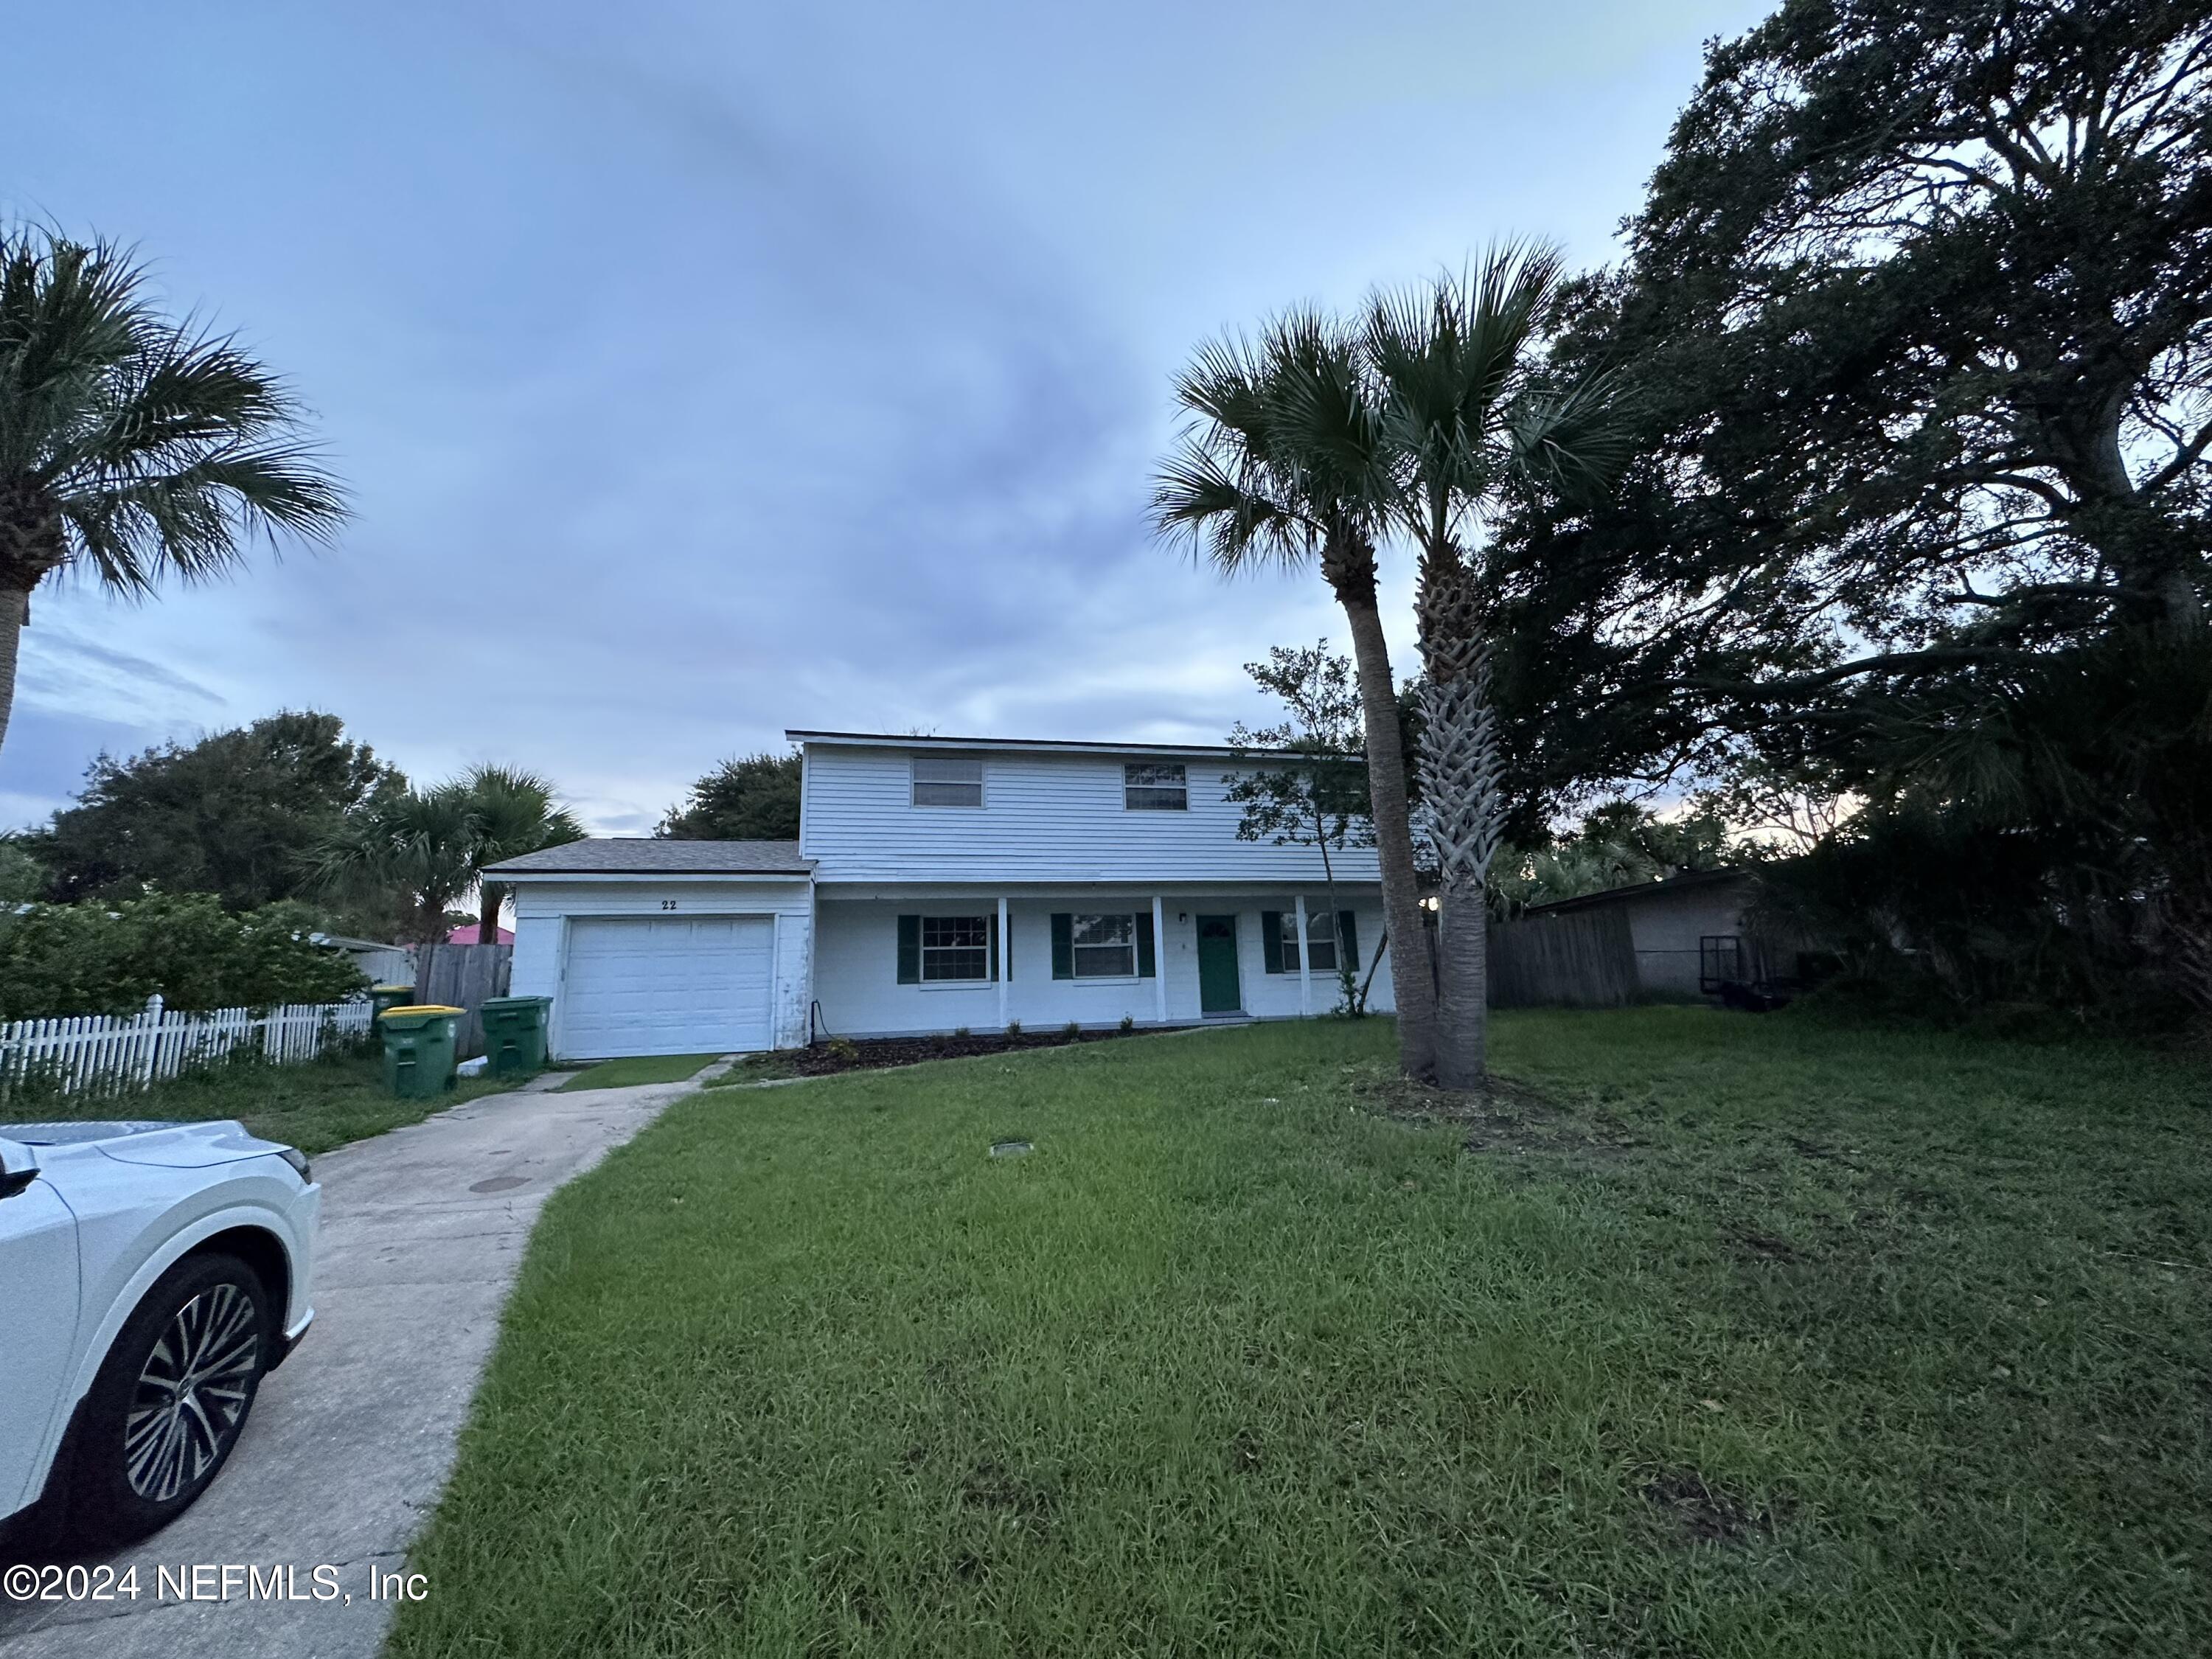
pixel 668 904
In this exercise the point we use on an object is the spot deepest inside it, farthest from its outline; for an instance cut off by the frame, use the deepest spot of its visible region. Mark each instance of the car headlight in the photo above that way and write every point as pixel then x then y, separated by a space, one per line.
pixel 298 1160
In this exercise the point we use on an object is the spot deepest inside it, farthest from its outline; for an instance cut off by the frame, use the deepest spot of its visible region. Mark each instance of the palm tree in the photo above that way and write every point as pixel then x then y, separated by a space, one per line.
pixel 1464 408
pixel 515 813
pixel 432 846
pixel 416 845
pixel 1276 468
pixel 131 444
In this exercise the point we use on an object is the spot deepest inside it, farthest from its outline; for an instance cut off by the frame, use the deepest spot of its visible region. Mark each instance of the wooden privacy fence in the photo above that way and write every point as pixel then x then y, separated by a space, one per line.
pixel 102 1052
pixel 1580 959
pixel 463 976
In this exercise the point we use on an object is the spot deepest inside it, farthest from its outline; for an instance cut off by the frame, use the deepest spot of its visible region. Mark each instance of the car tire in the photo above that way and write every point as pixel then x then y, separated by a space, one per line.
pixel 171 1399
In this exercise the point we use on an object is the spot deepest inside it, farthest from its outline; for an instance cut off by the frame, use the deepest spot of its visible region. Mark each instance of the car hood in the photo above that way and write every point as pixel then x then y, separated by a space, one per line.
pixel 145 1140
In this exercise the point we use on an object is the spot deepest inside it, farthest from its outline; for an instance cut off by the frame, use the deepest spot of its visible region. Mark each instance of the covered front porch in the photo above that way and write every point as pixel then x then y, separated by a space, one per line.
pixel 895 962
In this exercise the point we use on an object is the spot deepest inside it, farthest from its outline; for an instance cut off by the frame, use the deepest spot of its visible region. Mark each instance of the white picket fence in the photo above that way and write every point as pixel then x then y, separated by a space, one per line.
pixel 104 1053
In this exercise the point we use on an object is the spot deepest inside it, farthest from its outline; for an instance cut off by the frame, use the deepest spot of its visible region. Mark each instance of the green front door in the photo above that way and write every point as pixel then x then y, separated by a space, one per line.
pixel 1218 991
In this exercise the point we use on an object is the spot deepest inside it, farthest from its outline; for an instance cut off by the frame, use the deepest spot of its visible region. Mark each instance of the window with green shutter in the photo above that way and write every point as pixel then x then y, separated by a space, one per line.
pixel 1106 944
pixel 1281 944
pixel 948 950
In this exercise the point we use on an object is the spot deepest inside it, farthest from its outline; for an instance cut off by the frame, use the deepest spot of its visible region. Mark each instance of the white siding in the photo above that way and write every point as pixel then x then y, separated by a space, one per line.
pixel 541 928
pixel 856 966
pixel 1045 817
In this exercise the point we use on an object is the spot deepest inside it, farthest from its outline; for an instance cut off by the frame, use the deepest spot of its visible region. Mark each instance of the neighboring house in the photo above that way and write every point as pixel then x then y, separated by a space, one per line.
pixel 939 884
pixel 1679 938
pixel 470 933
pixel 384 965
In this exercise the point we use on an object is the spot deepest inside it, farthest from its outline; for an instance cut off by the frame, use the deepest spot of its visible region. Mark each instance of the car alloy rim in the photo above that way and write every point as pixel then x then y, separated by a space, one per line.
pixel 191 1393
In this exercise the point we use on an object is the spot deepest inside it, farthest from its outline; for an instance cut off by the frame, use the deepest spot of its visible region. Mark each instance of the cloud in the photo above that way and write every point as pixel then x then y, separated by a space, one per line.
pixel 61 671
pixel 46 756
pixel 702 373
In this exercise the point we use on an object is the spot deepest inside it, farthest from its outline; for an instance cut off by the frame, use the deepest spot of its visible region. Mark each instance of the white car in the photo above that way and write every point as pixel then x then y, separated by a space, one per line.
pixel 150 1275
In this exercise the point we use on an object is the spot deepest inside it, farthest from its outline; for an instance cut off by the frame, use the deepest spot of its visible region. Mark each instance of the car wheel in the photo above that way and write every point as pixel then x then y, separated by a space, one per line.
pixel 171 1398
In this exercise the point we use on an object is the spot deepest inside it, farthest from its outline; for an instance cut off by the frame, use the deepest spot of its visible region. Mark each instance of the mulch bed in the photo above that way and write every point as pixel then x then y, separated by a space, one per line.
pixel 835 1055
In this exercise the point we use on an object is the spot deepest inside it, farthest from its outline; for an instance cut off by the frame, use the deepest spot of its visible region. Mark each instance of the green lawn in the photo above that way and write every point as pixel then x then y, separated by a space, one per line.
pixel 644 1068
pixel 1760 1337
pixel 315 1106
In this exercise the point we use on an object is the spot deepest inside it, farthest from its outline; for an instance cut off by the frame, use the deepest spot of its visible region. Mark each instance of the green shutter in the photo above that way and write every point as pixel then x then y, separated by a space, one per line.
pixel 909 949
pixel 1146 968
pixel 1347 936
pixel 994 947
pixel 1271 939
pixel 1063 945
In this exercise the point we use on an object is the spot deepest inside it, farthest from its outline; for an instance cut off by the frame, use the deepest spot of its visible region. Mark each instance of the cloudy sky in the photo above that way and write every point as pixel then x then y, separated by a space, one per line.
pixel 703 370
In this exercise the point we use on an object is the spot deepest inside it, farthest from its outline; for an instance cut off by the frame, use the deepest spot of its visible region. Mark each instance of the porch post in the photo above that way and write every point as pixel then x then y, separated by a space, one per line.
pixel 1305 959
pixel 1005 957
pixel 1160 956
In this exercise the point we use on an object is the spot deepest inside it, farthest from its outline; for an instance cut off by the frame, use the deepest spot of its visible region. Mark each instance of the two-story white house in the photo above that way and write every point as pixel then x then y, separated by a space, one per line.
pixel 943 882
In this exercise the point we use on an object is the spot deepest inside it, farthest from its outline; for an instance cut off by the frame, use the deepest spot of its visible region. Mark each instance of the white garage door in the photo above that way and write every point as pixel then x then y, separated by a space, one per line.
pixel 662 986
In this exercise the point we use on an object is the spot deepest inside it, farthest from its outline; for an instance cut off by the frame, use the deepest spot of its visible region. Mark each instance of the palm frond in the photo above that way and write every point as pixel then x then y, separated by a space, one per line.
pixel 1577 439
pixel 151 445
pixel 513 812
pixel 1456 359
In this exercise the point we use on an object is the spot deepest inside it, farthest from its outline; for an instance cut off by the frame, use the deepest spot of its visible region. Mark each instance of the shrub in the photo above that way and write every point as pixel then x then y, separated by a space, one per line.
pixel 1128 1023
pixel 843 1050
pixel 959 1031
pixel 1074 1029
pixel 97 957
pixel 1013 1027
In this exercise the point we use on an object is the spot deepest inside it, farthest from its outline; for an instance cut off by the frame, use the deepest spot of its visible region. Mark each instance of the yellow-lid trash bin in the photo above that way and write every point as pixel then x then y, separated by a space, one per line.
pixel 419 1041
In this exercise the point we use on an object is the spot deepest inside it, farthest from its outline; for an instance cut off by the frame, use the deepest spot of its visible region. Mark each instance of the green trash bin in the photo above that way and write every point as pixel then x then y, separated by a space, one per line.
pixel 418 1049
pixel 514 1034
pixel 381 996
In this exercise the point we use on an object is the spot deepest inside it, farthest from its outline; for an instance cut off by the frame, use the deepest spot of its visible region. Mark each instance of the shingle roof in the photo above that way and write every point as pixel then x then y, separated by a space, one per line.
pixel 1031 746
pixel 1669 885
pixel 642 855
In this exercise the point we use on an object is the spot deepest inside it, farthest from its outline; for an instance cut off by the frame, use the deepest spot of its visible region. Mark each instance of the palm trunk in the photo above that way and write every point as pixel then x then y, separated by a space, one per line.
pixel 1462 781
pixel 488 899
pixel 14 612
pixel 1413 986
pixel 1464 991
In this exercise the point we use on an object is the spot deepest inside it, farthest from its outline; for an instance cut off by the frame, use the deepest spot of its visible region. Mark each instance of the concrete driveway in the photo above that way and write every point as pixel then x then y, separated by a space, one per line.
pixel 350 1443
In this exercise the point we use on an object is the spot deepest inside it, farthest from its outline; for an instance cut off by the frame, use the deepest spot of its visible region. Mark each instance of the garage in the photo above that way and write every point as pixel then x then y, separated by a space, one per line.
pixel 647 946
pixel 667 985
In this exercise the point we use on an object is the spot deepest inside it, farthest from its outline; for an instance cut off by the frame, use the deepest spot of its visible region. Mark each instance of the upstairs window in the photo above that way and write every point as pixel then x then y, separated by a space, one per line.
pixel 1150 787
pixel 948 780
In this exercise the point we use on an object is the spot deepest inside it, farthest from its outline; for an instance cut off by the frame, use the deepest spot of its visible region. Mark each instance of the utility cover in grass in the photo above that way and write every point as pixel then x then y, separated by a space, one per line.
pixel 1010 1148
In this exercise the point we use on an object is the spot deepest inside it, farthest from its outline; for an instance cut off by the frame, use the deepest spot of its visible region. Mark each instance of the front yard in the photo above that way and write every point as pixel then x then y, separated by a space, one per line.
pixel 1718 1336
